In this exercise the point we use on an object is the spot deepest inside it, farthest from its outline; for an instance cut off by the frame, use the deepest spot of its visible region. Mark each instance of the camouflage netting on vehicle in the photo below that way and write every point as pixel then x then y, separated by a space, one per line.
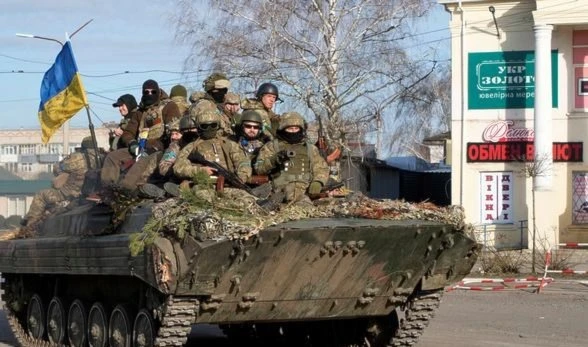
pixel 234 214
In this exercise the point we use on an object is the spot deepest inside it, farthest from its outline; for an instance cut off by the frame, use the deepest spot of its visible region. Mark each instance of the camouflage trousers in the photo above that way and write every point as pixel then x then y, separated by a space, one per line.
pixel 42 200
pixel 114 162
pixel 294 192
pixel 140 172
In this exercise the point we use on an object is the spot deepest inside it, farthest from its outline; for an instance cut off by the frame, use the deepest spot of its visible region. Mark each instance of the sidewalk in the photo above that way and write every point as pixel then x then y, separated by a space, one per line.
pixel 572 258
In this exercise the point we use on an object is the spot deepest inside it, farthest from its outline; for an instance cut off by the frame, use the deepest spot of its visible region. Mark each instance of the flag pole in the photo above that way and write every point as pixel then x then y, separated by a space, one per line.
pixel 93 134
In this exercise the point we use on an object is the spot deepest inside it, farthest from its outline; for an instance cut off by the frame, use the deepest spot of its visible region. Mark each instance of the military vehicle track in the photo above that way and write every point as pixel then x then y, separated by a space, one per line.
pixel 180 315
pixel 177 322
pixel 417 315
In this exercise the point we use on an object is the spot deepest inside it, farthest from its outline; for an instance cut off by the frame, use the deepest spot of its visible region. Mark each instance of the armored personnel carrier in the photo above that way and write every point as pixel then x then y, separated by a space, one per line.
pixel 355 280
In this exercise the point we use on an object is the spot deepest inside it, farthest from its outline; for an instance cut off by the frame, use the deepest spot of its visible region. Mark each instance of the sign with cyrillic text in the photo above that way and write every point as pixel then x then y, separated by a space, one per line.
pixel 505 80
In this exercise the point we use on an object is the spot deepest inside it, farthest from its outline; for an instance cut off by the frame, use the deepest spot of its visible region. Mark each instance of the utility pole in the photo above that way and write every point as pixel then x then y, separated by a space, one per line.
pixel 378 133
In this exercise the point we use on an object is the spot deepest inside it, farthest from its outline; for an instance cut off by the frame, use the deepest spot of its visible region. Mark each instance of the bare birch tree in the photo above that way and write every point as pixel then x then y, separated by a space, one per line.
pixel 329 55
pixel 429 110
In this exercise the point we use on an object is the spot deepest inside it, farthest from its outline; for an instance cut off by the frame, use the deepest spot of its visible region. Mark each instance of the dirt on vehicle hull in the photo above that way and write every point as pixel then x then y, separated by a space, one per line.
pixel 372 280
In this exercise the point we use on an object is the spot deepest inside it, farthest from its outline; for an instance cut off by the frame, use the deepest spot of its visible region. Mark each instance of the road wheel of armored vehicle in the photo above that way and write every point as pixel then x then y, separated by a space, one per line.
pixel 120 327
pixel 36 317
pixel 56 321
pixel 143 330
pixel 76 324
pixel 97 326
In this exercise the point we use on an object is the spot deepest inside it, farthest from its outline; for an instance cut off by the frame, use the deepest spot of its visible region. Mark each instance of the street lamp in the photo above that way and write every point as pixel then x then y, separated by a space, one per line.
pixel 66 125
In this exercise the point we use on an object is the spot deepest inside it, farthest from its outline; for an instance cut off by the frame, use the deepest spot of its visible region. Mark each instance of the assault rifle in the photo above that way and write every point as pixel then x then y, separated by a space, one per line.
pixel 323 146
pixel 231 178
pixel 331 185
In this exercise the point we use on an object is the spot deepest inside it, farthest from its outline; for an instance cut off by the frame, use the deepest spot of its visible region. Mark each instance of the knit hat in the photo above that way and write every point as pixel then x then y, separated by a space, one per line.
pixel 150 84
pixel 178 90
pixel 126 99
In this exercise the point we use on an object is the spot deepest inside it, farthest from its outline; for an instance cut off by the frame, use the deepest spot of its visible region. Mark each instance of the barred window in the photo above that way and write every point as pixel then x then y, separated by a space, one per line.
pixel 580 197
pixel 496 197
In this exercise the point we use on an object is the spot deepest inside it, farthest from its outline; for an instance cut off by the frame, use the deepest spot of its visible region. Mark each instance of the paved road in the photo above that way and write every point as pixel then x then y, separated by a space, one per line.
pixel 557 317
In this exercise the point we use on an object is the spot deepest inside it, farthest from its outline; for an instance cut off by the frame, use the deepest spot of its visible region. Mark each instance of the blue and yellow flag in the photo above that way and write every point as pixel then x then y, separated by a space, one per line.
pixel 62 93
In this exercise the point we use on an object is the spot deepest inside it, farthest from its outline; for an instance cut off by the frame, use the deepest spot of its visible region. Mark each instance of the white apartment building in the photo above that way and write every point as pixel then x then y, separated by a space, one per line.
pixel 23 153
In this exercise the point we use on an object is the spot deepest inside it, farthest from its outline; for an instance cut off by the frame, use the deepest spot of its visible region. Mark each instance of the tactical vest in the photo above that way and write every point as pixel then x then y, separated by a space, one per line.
pixel 216 150
pixel 153 120
pixel 297 168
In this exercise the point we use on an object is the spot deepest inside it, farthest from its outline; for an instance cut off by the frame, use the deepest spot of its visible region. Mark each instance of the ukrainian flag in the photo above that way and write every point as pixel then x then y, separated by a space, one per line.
pixel 62 93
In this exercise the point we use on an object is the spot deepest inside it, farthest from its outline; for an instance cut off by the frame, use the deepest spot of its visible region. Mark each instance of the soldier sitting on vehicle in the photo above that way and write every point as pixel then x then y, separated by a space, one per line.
pixel 250 137
pixel 294 165
pixel 66 186
pixel 213 148
pixel 265 98
pixel 128 108
pixel 182 133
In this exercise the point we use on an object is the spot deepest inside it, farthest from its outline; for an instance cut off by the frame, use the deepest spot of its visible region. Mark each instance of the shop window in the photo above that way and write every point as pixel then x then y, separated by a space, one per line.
pixel 496 197
pixel 580 197
pixel 580 61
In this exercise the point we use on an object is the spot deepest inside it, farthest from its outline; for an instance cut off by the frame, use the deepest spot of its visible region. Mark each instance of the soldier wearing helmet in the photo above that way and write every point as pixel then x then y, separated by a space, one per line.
pixel 265 98
pixel 294 165
pixel 216 87
pixel 213 147
pixel 230 113
pixel 179 95
pixel 66 186
pixel 250 135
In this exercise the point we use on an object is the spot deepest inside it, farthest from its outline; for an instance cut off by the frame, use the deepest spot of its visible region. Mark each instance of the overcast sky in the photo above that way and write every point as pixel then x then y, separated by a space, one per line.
pixel 125 35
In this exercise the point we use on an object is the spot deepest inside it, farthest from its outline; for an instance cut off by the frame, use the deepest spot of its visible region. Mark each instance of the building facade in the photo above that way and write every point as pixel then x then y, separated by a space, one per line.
pixel 520 118
pixel 23 153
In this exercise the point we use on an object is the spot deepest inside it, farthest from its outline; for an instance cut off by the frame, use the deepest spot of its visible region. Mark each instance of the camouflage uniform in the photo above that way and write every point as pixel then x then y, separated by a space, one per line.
pixel 294 174
pixel 169 158
pixel 250 147
pixel 230 120
pixel 215 86
pixel 179 95
pixel 75 167
pixel 270 119
pixel 155 118
pixel 214 148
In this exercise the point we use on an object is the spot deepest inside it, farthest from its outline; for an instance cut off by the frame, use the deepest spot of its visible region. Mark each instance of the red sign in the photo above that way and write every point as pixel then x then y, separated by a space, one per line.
pixel 521 151
pixel 502 131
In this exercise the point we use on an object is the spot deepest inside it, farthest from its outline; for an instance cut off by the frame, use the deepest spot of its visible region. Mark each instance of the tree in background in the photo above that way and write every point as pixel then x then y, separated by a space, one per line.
pixel 342 59
pixel 424 112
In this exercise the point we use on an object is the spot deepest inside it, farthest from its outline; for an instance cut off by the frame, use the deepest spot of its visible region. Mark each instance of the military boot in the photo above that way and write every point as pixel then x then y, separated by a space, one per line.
pixel 172 189
pixel 151 191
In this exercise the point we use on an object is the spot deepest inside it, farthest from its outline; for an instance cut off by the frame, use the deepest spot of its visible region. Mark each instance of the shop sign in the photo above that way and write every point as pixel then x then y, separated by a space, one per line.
pixel 505 80
pixel 503 131
pixel 496 197
pixel 481 152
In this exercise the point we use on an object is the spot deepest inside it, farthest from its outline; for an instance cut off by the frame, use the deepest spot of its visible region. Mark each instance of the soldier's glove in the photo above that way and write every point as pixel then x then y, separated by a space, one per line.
pixel 134 148
pixel 193 157
pixel 315 188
